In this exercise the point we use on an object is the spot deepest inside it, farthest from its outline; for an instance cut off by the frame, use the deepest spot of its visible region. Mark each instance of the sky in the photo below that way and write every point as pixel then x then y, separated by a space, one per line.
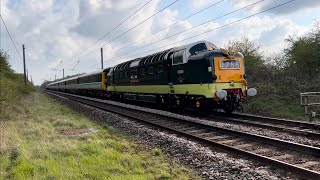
pixel 64 34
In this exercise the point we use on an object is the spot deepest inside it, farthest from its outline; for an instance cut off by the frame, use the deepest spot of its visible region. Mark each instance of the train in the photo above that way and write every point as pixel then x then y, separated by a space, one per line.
pixel 199 76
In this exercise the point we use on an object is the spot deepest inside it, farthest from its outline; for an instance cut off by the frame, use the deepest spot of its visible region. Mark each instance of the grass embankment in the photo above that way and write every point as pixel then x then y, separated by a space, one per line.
pixel 274 101
pixel 32 147
pixel 270 102
pixel 12 85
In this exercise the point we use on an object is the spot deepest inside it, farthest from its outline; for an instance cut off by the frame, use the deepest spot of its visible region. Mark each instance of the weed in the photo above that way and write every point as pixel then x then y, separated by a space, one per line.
pixel 157 152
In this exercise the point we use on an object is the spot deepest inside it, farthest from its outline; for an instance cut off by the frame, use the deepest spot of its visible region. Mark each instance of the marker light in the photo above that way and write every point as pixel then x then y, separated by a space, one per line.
pixel 252 92
pixel 221 94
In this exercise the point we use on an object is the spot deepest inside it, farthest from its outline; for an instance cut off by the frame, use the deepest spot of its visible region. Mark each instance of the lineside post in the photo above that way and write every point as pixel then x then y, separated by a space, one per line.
pixel 24 65
pixel 101 58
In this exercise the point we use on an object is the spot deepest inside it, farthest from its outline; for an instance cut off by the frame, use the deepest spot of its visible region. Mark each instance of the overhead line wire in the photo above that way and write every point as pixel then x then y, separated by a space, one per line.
pixel 14 44
pixel 131 51
pixel 113 28
pixel 57 66
pixel 141 22
pixel 130 29
pixel 170 25
pixel 227 24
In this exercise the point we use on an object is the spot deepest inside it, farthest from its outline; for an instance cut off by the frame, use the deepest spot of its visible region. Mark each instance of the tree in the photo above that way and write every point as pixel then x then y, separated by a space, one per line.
pixel 254 63
pixel 4 65
pixel 303 53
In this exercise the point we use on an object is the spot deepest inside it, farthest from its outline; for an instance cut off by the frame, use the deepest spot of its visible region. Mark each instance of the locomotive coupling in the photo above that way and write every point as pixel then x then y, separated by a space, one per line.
pixel 252 92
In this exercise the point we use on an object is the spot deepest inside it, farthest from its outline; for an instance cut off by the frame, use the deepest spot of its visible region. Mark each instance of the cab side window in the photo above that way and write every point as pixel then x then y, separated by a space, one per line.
pixel 198 48
pixel 178 57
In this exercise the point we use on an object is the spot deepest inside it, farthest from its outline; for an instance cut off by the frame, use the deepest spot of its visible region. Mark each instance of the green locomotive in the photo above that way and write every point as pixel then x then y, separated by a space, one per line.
pixel 198 75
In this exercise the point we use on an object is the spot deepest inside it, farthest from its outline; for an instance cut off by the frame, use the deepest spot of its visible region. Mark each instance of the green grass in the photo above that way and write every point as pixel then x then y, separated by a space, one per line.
pixel 276 101
pixel 274 107
pixel 32 147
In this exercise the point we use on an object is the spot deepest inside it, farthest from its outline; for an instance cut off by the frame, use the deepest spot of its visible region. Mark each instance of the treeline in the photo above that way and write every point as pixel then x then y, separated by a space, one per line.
pixel 281 78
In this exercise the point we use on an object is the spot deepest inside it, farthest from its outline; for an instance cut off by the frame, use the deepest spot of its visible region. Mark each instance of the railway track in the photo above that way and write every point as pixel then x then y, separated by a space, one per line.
pixel 296 158
pixel 305 129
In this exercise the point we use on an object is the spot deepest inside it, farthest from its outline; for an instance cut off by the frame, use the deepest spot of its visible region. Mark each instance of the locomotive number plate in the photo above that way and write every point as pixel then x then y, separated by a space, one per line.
pixel 230 64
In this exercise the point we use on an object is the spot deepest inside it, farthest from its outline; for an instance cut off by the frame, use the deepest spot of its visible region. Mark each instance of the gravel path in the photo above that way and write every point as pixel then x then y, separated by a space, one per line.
pixel 209 163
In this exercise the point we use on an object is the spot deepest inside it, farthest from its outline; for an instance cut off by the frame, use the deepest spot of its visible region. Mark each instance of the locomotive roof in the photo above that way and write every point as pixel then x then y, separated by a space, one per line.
pixel 155 57
pixel 188 46
pixel 205 54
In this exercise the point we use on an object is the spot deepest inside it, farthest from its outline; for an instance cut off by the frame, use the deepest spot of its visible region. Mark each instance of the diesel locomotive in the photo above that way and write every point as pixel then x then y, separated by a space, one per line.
pixel 198 75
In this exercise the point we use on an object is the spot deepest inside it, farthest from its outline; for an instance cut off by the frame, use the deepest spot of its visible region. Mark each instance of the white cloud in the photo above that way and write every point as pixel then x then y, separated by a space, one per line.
pixel 268 32
pixel 291 7
pixel 199 3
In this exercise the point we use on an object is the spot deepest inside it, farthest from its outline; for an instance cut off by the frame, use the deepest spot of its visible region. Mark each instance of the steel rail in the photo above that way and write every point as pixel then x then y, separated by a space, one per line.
pixel 306 132
pixel 301 124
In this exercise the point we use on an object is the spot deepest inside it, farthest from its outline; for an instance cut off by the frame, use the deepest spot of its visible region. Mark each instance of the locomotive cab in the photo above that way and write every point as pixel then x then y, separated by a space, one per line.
pixel 230 79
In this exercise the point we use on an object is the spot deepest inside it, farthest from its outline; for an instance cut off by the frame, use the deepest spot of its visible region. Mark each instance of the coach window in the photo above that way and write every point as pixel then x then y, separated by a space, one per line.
pixel 178 57
pixel 142 72
pixel 160 69
pixel 150 70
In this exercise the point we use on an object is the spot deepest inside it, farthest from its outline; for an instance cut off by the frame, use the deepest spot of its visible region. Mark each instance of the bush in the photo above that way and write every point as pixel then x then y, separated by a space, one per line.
pixel 11 84
pixel 281 78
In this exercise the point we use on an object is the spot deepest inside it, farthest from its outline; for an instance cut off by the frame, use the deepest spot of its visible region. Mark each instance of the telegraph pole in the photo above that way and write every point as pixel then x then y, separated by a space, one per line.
pixel 24 65
pixel 55 77
pixel 62 73
pixel 27 75
pixel 101 58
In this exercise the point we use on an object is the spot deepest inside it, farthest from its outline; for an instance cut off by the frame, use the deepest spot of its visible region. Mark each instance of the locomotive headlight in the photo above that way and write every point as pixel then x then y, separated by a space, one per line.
pixel 221 94
pixel 252 92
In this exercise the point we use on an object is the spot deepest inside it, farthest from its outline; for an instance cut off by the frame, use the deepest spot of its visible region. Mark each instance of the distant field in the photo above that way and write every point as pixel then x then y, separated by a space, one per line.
pixel 32 147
